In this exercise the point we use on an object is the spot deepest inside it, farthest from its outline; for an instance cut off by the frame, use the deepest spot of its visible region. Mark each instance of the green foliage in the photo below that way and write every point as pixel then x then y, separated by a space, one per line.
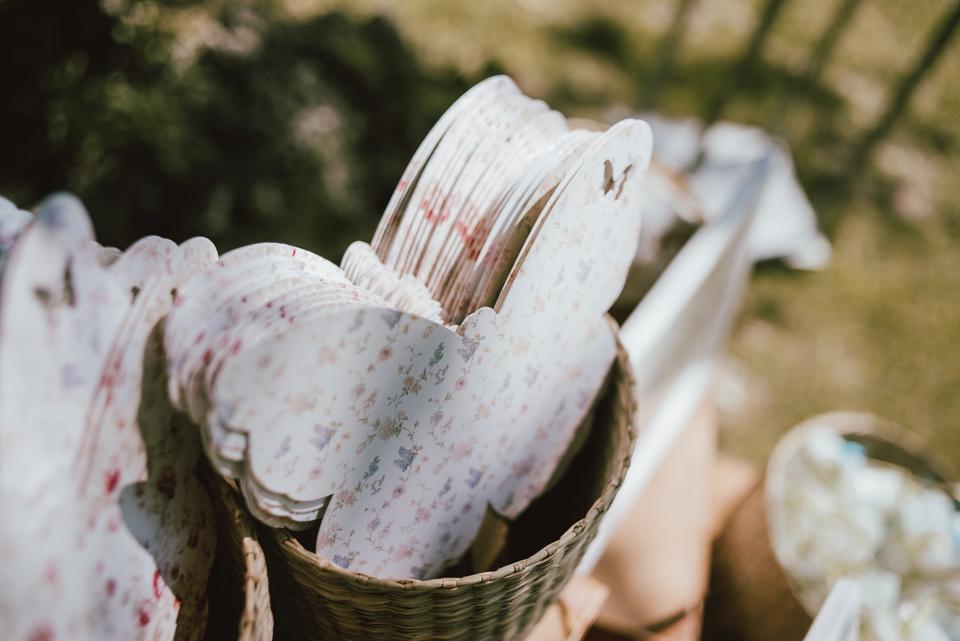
pixel 287 130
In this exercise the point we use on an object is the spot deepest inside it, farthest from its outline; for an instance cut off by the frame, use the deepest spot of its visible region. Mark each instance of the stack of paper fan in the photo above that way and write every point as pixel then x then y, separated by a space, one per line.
pixel 442 369
pixel 105 532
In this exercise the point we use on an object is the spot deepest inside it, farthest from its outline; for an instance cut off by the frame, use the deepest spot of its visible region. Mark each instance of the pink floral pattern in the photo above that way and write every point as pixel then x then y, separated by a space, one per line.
pixel 412 428
pixel 98 503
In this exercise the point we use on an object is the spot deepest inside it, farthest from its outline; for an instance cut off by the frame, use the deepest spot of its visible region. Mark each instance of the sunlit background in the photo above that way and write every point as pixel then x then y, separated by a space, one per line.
pixel 292 121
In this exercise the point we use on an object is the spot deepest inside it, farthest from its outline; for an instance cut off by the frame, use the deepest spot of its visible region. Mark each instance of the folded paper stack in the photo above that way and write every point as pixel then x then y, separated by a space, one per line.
pixel 440 370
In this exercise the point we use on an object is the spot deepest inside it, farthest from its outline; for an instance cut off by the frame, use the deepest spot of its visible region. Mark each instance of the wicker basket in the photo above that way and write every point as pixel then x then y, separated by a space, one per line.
pixel 315 599
pixel 751 597
pixel 238 587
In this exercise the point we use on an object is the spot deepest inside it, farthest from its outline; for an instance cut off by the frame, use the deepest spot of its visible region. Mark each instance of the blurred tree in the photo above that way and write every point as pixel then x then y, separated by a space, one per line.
pixel 269 128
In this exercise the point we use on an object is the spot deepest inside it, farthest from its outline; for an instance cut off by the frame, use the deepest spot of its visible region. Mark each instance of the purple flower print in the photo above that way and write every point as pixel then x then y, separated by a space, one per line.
pixel 391 318
pixel 342 560
pixel 468 348
pixel 324 434
pixel 474 476
pixel 446 486
pixel 406 458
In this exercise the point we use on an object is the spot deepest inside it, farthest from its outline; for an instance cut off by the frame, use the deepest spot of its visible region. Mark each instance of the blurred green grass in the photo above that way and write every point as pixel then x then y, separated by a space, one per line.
pixel 291 120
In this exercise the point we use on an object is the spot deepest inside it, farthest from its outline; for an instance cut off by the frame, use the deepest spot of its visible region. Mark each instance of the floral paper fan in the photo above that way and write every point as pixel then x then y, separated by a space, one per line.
pixel 401 430
pixel 99 511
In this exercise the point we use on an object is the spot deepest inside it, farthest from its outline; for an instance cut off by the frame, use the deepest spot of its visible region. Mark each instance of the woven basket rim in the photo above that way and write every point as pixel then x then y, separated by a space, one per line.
pixel 255 616
pixel 571 534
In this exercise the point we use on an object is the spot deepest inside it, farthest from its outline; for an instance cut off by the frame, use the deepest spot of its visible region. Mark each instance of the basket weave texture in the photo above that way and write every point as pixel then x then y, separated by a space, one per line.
pixel 238 588
pixel 313 598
